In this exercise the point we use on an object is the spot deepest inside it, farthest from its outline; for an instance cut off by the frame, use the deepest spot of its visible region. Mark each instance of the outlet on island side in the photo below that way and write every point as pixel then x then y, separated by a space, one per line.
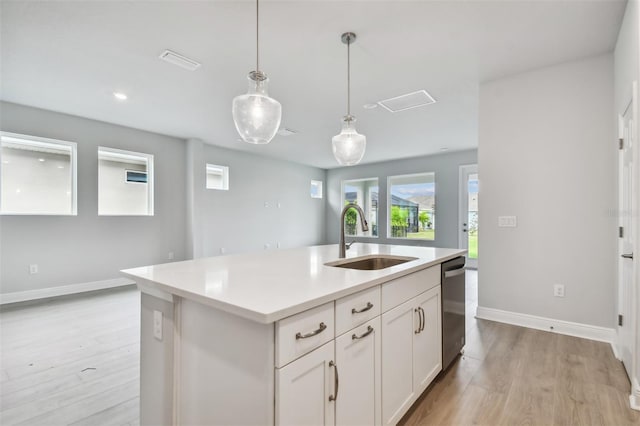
pixel 157 324
pixel 558 290
pixel 33 269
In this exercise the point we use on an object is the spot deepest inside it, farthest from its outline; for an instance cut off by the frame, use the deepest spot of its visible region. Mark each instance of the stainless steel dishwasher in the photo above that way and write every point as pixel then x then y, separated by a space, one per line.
pixel 453 309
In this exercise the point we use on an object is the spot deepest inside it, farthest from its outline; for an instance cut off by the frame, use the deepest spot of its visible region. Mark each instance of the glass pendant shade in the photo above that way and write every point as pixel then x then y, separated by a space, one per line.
pixel 256 115
pixel 349 145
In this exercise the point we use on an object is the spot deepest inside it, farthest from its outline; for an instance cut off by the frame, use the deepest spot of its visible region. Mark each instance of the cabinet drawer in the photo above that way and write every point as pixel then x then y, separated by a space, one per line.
pixel 303 332
pixel 404 288
pixel 356 309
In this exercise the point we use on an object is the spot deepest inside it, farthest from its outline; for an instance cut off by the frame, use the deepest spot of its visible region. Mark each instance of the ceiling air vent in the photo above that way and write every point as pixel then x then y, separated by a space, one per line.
pixel 179 60
pixel 408 101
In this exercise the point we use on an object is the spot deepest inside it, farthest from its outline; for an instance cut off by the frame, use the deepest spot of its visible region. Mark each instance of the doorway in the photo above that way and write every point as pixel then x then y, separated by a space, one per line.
pixel 626 188
pixel 468 213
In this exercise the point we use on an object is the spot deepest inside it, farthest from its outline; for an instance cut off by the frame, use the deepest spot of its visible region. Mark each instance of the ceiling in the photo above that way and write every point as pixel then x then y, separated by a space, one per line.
pixel 70 56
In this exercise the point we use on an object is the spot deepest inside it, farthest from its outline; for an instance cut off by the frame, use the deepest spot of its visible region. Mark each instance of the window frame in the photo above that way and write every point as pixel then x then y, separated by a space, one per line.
pixel 150 179
pixel 320 185
pixel 225 176
pixel 389 195
pixel 40 141
pixel 368 194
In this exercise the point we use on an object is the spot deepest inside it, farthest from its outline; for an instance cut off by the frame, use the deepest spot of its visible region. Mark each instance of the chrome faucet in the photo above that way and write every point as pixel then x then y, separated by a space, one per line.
pixel 365 227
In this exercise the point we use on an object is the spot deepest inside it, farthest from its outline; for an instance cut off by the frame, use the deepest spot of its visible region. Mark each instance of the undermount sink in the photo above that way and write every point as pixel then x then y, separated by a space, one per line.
pixel 371 262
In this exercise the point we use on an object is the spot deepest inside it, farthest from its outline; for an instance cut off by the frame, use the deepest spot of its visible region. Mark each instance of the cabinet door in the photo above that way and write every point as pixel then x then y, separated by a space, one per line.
pixel 427 344
pixel 303 389
pixel 398 328
pixel 358 355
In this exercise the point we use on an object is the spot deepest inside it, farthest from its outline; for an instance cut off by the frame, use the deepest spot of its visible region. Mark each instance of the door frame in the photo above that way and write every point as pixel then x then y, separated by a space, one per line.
pixel 463 209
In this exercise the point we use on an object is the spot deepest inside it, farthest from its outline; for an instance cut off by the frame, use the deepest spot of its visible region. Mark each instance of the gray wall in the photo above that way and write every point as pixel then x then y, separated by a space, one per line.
pixel 446 169
pixel 268 202
pixel 547 155
pixel 85 248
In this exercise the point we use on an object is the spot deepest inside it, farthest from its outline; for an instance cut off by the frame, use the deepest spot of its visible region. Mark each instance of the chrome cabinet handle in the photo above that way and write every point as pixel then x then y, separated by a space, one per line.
pixel 422 317
pixel 363 335
pixel 321 328
pixel 419 321
pixel 365 309
pixel 337 381
pixel 627 256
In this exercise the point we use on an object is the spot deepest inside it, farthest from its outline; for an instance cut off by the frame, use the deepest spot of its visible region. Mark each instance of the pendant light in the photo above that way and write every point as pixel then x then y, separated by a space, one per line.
pixel 349 145
pixel 256 115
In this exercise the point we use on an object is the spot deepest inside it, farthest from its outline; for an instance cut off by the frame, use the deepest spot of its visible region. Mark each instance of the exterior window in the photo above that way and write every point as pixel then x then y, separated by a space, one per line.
pixel 363 192
pixel 125 183
pixel 38 176
pixel 412 206
pixel 217 177
pixel 316 189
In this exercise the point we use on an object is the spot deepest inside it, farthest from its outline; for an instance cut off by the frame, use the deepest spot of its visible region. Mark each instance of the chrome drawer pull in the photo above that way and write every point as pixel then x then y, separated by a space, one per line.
pixel 419 321
pixel 322 328
pixel 365 309
pixel 363 335
pixel 422 316
pixel 337 381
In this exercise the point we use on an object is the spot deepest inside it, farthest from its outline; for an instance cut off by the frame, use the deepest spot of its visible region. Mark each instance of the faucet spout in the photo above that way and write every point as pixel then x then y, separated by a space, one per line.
pixel 363 222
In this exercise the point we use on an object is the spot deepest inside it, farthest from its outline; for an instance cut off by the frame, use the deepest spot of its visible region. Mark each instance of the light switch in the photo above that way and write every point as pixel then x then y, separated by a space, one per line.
pixel 507 221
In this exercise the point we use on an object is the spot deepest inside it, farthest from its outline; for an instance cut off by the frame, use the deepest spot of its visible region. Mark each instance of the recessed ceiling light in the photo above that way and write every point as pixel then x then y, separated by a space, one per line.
pixel 444 148
pixel 41 160
pixel 370 106
pixel 61 167
pixel 18 190
pixel 5 161
pixel 120 96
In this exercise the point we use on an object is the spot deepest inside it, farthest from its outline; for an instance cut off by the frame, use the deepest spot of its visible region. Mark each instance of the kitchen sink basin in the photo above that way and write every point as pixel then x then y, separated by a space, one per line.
pixel 371 262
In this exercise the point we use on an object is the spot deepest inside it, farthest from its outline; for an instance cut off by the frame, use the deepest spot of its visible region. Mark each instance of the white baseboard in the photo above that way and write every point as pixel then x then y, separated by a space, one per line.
pixel 634 397
pixel 601 334
pixel 23 296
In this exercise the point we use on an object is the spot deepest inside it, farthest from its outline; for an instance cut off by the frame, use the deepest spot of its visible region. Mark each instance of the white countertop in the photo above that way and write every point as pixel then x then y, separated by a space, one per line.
pixel 271 285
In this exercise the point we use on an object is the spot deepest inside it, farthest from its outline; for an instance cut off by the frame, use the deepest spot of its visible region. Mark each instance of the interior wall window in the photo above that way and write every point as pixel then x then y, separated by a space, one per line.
pixel 38 175
pixel 125 183
pixel 217 177
pixel 412 206
pixel 363 192
pixel 316 189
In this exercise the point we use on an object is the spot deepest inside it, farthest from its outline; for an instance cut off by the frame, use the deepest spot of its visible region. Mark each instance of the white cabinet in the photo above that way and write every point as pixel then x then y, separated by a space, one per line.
pixel 305 389
pixel 411 351
pixel 358 359
pixel 427 344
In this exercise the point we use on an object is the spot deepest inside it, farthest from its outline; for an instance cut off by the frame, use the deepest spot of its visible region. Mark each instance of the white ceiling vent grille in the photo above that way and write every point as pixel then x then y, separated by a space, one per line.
pixel 179 60
pixel 408 101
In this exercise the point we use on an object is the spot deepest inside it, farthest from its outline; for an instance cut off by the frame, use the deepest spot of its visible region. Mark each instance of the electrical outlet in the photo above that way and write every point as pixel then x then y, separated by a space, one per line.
pixel 267 246
pixel 223 250
pixel 558 290
pixel 157 325
pixel 33 269
pixel 170 255
pixel 266 204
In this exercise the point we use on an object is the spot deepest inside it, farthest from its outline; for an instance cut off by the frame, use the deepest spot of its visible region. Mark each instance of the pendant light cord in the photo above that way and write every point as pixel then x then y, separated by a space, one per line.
pixel 257 37
pixel 349 77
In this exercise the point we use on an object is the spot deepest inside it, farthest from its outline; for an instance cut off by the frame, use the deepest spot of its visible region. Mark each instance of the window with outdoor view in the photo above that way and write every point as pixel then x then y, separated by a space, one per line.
pixel 412 206
pixel 364 193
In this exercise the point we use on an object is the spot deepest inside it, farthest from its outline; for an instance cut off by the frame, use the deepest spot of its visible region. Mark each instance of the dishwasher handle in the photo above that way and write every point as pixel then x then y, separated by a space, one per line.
pixel 454 272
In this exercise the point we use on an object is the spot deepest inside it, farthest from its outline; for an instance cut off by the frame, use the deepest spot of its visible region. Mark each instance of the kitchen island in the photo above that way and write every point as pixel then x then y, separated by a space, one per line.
pixel 279 337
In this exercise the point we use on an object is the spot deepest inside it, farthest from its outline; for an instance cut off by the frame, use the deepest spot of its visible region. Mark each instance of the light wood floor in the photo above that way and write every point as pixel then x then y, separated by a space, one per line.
pixel 71 361
pixel 518 376
pixel 76 361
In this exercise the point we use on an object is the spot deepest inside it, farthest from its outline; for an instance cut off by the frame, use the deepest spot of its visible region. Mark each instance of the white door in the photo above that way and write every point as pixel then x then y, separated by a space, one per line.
pixel 626 242
pixel 358 355
pixel 398 327
pixel 305 389
pixel 468 213
pixel 427 343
